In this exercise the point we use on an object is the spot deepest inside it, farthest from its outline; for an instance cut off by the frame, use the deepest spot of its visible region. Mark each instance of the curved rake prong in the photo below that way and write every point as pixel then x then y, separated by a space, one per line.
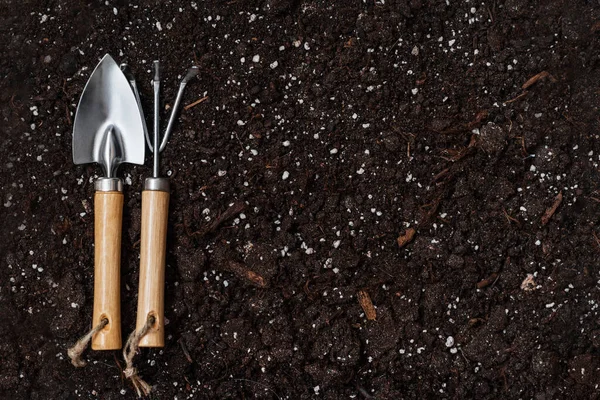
pixel 192 72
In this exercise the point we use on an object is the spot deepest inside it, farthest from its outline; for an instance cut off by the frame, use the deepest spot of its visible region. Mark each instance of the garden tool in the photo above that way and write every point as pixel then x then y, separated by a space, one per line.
pixel 108 130
pixel 155 207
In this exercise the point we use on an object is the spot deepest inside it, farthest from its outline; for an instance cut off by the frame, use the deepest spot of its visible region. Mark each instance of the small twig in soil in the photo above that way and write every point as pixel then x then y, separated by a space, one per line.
pixel 516 98
pixel 488 281
pixel 233 210
pixel 307 289
pixel 406 237
pixel 490 14
pixel 239 141
pixel 68 115
pixel 463 355
pixel 63 88
pixel 479 118
pixel 440 175
pixel 195 103
pixel 503 375
pixel 395 43
pixel 457 154
pixel 596 238
pixel 550 212
pixel 537 77
pixel 367 305
pixel 511 219
pixel 243 272
pixel 185 351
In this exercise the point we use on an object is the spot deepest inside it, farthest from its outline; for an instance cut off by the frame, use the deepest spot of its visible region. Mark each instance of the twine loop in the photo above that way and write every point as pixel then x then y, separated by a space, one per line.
pixel 79 347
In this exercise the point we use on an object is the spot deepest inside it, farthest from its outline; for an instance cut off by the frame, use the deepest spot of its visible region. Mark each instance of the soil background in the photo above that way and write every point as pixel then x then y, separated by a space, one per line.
pixel 331 129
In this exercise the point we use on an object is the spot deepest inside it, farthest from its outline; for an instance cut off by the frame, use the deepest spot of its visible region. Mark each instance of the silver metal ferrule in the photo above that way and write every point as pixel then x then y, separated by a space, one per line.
pixel 108 185
pixel 159 184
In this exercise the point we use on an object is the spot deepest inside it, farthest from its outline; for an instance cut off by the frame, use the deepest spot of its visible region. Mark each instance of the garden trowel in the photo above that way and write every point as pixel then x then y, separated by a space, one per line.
pixel 108 130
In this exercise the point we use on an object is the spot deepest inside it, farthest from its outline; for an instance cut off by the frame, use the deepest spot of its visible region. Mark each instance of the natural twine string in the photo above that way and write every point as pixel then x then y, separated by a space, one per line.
pixel 129 351
pixel 78 348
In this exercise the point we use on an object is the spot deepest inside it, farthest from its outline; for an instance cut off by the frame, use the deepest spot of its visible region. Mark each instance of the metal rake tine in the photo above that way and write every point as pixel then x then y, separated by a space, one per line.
pixel 192 72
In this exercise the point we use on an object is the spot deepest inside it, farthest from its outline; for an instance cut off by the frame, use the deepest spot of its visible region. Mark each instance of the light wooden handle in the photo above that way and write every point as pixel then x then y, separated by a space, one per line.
pixel 153 248
pixel 107 270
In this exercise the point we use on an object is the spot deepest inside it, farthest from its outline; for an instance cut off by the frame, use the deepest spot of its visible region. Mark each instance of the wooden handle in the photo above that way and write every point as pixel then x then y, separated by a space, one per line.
pixel 107 271
pixel 153 248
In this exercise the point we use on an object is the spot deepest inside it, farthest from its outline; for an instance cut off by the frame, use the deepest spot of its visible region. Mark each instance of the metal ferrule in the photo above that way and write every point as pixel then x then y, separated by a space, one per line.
pixel 158 184
pixel 108 185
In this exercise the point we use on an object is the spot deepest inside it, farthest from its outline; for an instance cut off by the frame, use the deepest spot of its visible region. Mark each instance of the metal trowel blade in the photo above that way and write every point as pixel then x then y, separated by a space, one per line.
pixel 108 127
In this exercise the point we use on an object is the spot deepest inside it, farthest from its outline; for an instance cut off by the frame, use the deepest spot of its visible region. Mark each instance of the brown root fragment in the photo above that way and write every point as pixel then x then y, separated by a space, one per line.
pixel 367 305
pixel 550 211
pixel 406 237
pixel 487 281
pixel 244 273
pixel 542 75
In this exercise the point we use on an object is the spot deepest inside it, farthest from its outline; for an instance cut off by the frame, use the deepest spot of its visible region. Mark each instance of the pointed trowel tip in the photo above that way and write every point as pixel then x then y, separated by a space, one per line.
pixel 107 57
pixel 107 62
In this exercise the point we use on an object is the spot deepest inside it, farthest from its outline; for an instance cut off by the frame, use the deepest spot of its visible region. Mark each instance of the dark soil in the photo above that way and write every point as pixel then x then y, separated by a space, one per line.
pixel 358 121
